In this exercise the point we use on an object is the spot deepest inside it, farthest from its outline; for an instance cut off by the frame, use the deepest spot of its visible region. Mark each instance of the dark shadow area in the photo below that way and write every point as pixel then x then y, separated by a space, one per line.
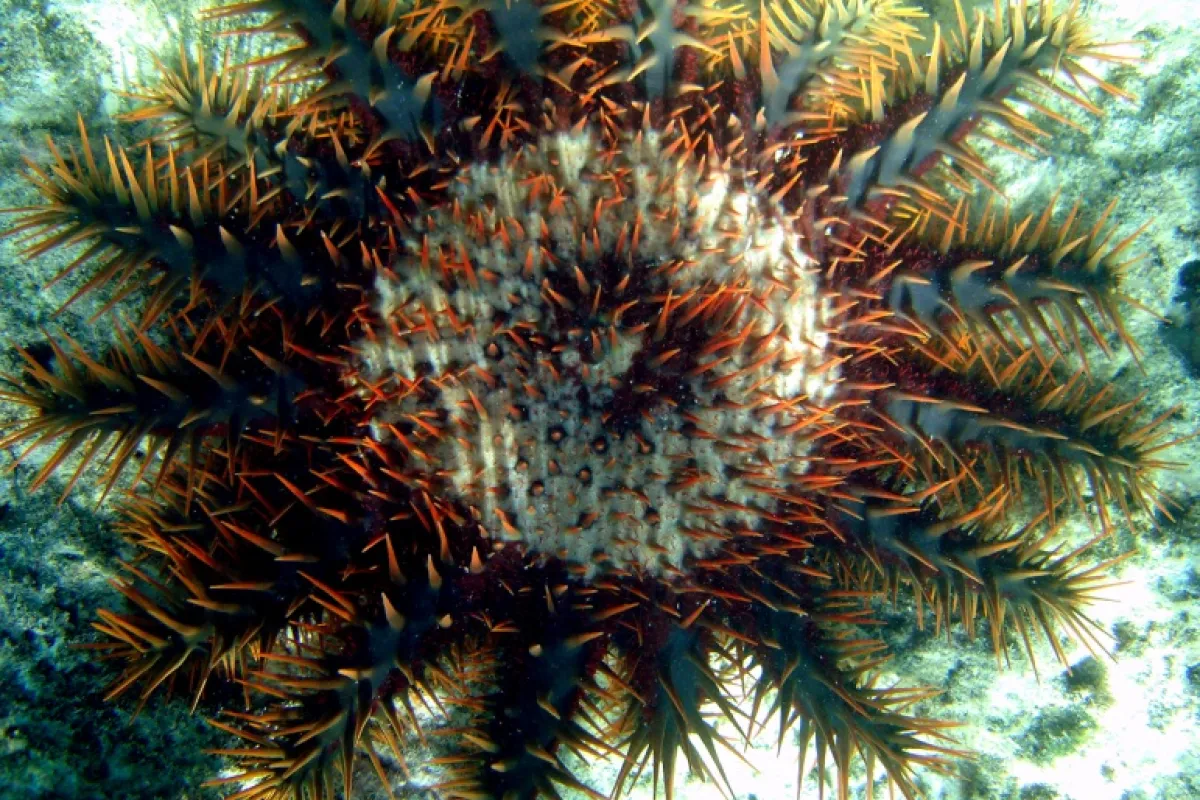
pixel 1183 332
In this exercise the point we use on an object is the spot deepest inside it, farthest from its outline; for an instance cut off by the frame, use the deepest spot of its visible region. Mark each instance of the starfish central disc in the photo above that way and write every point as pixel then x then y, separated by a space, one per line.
pixel 603 354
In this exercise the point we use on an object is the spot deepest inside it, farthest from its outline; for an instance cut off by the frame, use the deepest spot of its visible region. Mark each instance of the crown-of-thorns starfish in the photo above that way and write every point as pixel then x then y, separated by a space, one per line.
pixel 534 373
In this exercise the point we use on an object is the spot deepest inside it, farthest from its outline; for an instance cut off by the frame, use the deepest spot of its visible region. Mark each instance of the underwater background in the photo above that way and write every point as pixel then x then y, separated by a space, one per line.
pixel 1121 728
